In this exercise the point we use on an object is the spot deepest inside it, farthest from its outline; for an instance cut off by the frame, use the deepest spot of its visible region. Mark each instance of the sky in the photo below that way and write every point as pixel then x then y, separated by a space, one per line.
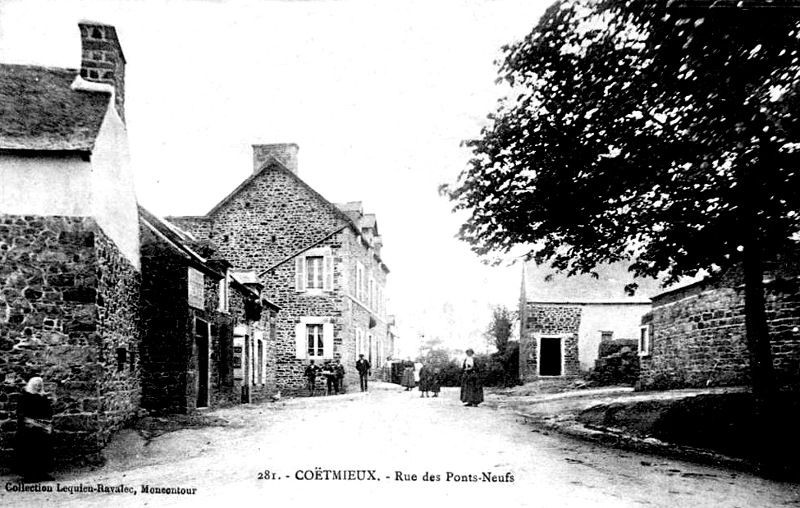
pixel 377 94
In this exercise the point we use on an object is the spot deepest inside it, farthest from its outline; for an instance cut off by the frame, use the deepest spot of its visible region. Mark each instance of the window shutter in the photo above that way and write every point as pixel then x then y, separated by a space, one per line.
pixel 300 340
pixel 300 273
pixel 327 281
pixel 327 339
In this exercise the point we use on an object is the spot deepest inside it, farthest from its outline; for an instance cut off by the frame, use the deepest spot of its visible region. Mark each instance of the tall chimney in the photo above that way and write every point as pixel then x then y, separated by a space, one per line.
pixel 102 60
pixel 286 153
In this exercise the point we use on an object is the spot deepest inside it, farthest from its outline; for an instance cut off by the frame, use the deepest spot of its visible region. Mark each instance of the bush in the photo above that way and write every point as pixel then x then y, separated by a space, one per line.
pixel 450 373
pixel 618 368
pixel 609 347
pixel 502 368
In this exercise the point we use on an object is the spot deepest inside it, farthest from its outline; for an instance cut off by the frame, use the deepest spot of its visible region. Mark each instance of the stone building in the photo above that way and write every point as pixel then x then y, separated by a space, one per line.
pixel 191 309
pixel 318 261
pixel 563 319
pixel 695 335
pixel 69 245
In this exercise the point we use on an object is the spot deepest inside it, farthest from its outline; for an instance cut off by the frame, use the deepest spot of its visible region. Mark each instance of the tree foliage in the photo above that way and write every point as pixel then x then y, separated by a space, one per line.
pixel 664 132
pixel 640 130
pixel 498 332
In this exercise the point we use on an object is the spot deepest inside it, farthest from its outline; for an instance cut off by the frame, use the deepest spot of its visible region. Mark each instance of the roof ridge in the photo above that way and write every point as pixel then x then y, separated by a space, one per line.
pixel 271 162
pixel 37 66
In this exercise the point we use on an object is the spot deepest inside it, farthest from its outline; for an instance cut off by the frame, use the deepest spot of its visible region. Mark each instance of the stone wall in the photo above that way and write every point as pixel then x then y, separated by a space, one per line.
pixel 165 327
pixel 698 336
pixel 68 301
pixel 549 320
pixel 118 305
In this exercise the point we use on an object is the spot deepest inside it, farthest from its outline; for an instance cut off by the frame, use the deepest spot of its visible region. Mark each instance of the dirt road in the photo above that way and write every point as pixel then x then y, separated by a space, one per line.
pixel 392 448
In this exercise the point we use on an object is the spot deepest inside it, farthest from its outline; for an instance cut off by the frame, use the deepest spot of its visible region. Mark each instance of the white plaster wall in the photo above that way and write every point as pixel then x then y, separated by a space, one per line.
pixel 622 320
pixel 114 196
pixel 45 185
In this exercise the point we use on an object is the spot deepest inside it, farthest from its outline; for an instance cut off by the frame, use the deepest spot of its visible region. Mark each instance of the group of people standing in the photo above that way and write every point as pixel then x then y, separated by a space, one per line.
pixel 333 371
pixel 425 376
pixel 429 379
pixel 334 375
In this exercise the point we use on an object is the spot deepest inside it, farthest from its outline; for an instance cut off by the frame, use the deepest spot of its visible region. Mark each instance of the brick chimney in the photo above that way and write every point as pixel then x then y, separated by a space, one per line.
pixel 286 153
pixel 102 60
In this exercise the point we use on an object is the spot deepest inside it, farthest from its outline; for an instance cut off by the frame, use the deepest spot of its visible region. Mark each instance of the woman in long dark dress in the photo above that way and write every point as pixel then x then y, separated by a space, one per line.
pixel 435 384
pixel 408 376
pixel 425 374
pixel 33 445
pixel 471 385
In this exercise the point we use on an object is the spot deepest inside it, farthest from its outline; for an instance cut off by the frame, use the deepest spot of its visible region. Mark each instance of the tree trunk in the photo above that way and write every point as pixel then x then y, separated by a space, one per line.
pixel 758 340
pixel 762 372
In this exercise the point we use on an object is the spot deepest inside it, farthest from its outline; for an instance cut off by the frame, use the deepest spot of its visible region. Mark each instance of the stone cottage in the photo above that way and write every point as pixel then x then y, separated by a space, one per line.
pixel 191 309
pixel 563 319
pixel 69 245
pixel 695 335
pixel 320 262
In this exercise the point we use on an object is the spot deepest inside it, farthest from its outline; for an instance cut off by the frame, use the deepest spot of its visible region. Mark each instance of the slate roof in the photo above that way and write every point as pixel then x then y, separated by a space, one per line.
pixel 544 285
pixel 40 111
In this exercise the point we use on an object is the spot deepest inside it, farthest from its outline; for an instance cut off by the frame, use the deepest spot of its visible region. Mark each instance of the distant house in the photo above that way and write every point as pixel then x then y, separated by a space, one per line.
pixel 563 319
pixel 69 245
pixel 192 308
pixel 320 262
pixel 695 335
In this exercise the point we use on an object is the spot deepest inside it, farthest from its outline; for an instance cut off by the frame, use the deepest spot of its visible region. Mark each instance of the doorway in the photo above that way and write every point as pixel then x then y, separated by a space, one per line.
pixel 201 340
pixel 550 356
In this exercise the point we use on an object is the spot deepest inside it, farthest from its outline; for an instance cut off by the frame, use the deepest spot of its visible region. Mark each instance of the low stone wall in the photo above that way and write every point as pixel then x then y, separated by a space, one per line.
pixel 68 302
pixel 698 337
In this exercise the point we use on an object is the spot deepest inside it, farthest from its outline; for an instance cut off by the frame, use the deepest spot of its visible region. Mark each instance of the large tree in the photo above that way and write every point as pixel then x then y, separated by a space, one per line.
pixel 661 132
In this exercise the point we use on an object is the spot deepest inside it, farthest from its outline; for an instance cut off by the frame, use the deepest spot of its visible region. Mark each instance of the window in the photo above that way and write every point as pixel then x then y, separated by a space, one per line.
pixel 314 338
pixel 314 271
pixel 122 358
pixel 223 294
pixel 196 288
pixel 359 342
pixel 606 336
pixel 371 296
pixel 258 335
pixel 644 340
pixel 359 281
pixel 315 341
